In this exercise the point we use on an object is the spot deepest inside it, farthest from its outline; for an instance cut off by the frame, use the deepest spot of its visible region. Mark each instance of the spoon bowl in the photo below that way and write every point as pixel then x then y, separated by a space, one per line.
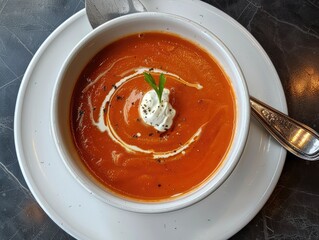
pixel 101 11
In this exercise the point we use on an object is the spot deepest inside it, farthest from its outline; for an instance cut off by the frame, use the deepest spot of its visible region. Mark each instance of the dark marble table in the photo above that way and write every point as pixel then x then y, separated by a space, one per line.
pixel 289 32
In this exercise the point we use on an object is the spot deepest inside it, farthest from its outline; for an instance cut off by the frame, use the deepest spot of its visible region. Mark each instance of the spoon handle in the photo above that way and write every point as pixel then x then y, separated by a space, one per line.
pixel 296 137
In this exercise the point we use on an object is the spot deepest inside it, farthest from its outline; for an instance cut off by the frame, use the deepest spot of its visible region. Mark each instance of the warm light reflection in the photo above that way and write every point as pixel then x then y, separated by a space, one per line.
pixel 305 81
pixel 301 138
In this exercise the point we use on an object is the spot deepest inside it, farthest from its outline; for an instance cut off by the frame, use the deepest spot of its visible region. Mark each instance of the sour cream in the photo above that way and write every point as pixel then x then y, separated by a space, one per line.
pixel 160 115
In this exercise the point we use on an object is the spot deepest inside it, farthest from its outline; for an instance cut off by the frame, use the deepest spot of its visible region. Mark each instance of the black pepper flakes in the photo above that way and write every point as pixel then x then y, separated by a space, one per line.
pixel 119 97
pixel 160 160
pixel 162 135
pixel 81 112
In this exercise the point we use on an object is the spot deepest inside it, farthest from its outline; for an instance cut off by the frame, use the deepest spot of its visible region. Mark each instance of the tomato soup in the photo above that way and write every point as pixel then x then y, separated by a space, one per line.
pixel 133 159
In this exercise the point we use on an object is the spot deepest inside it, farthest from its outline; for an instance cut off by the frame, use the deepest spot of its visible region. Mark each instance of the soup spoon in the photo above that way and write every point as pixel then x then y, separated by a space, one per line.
pixel 101 11
pixel 294 136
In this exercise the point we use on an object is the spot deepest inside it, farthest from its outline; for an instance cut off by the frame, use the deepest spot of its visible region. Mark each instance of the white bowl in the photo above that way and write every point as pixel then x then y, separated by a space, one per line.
pixel 96 41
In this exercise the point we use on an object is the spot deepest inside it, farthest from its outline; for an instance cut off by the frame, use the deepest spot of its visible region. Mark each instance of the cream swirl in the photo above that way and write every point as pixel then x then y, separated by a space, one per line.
pixel 104 124
pixel 160 115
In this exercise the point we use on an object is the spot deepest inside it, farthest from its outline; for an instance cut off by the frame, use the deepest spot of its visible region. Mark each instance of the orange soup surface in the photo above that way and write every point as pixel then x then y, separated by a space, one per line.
pixel 131 158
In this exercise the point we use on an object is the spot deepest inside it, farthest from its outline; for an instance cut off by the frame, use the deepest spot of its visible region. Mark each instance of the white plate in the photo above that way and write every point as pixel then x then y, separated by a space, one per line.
pixel 219 216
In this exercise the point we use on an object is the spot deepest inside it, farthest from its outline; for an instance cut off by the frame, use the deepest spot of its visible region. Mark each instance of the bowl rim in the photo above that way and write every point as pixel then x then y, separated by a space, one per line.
pixel 190 198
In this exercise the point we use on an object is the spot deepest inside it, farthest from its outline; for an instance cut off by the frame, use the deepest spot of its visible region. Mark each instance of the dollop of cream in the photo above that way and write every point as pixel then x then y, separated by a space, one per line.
pixel 160 115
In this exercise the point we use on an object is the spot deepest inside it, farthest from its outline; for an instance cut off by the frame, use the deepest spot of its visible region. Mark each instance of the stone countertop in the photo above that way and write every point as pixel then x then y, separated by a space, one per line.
pixel 289 33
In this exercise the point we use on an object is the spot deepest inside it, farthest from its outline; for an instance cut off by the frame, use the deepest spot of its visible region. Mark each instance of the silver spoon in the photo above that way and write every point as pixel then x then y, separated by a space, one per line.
pixel 296 137
pixel 100 11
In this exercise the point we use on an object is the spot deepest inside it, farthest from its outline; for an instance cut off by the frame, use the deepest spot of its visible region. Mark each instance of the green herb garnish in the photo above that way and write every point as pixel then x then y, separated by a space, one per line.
pixel 158 89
